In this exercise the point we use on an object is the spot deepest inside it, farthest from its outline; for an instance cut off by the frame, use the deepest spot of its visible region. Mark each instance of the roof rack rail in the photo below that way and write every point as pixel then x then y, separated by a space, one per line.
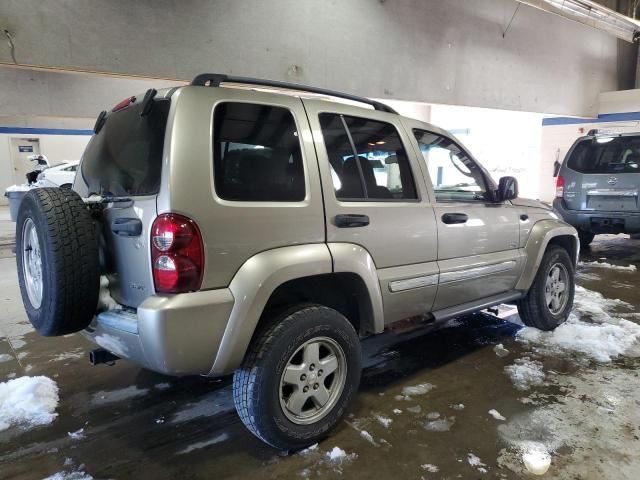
pixel 215 79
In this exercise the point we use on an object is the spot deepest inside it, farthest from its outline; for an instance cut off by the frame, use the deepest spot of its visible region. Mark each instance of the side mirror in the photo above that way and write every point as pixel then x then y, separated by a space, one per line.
pixel 556 168
pixel 507 189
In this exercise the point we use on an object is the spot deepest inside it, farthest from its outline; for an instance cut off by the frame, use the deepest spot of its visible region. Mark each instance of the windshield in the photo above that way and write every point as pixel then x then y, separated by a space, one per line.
pixel 606 155
pixel 125 157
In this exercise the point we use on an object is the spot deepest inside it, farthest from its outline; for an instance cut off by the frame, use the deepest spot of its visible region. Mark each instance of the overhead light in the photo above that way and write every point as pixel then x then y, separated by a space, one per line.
pixel 592 14
pixel 380 142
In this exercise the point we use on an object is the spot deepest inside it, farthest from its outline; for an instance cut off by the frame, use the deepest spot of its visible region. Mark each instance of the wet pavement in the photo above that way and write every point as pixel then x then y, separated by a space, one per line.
pixel 422 411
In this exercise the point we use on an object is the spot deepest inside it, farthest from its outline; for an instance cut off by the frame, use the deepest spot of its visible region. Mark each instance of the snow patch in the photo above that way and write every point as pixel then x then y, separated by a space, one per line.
pixel 628 268
pixel 417 409
pixel 440 425
pixel 602 338
pixel 368 437
pixel 525 373
pixel 73 354
pixel 397 411
pixel 28 402
pixel 457 406
pixel 496 414
pixel 500 351
pixel 429 467
pixel 420 389
pixel 77 475
pixel 384 421
pixel 474 460
pixel 77 435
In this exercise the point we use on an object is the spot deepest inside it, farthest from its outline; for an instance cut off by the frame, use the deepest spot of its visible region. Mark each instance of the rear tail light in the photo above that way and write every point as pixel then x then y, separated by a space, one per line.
pixel 177 254
pixel 559 186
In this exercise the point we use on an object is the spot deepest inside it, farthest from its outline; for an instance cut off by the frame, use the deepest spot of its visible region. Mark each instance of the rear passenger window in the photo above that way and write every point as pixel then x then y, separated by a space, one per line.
pixel 368 161
pixel 257 156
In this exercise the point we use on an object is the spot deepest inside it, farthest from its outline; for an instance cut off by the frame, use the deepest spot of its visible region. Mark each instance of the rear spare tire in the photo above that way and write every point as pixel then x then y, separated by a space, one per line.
pixel 57 260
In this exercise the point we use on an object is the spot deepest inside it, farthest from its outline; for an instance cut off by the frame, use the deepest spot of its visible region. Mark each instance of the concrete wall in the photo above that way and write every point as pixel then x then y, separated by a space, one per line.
pixel 432 51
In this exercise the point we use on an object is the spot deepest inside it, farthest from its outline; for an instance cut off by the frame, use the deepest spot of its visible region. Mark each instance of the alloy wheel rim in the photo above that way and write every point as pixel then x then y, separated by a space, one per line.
pixel 556 289
pixel 32 263
pixel 312 380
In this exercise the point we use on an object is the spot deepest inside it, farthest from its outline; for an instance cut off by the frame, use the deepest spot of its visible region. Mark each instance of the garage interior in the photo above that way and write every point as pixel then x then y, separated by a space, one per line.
pixel 479 396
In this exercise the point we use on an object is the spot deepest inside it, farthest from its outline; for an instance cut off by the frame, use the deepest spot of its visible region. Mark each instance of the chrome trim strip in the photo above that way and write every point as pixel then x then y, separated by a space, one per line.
pixel 469 273
pixel 612 193
pixel 120 320
pixel 411 283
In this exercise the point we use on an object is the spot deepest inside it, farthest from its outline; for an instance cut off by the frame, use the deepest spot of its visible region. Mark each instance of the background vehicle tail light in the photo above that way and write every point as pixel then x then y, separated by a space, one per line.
pixel 177 254
pixel 559 186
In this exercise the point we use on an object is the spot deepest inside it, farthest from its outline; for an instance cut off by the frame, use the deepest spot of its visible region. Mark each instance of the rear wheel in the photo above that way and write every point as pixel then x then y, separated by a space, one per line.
pixel 299 377
pixel 585 238
pixel 550 298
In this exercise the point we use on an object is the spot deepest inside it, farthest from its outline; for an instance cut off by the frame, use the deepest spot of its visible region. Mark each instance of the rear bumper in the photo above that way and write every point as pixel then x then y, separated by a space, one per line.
pixel 582 219
pixel 173 335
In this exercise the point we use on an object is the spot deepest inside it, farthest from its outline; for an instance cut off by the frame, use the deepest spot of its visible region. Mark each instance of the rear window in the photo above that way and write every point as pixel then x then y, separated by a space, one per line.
pixel 606 155
pixel 125 157
pixel 257 155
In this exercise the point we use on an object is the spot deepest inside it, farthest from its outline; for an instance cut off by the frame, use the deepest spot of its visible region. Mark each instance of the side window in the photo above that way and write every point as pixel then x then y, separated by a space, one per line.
pixel 367 159
pixel 256 154
pixel 455 176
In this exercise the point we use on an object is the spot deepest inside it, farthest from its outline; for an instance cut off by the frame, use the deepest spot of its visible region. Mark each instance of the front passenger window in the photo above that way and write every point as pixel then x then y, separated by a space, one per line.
pixel 454 175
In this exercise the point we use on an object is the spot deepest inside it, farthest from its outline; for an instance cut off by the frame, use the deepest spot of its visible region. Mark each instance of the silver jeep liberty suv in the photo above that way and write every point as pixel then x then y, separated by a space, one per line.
pixel 261 229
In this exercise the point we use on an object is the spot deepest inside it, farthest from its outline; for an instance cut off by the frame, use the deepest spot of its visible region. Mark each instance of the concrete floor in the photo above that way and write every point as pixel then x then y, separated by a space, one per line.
pixel 138 424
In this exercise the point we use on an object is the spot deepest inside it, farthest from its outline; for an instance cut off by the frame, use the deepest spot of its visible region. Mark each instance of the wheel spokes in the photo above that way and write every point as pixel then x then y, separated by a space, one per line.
pixel 328 365
pixel 320 396
pixel 293 375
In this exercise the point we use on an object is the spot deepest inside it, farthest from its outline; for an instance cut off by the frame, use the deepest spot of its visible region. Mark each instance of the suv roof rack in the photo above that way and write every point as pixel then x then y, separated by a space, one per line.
pixel 215 79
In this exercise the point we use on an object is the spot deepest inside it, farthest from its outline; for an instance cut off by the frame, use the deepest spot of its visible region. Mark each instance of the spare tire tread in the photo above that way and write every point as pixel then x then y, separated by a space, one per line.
pixel 69 247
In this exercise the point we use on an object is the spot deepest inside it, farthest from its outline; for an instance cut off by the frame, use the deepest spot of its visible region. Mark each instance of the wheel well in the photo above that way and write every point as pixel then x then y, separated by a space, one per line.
pixel 567 242
pixel 344 292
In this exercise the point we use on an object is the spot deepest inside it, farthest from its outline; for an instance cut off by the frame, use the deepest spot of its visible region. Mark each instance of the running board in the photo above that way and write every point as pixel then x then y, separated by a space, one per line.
pixel 475 306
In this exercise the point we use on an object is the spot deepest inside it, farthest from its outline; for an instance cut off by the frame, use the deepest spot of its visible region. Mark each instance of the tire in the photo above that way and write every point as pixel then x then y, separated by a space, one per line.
pixel 533 308
pixel 585 238
pixel 258 388
pixel 55 227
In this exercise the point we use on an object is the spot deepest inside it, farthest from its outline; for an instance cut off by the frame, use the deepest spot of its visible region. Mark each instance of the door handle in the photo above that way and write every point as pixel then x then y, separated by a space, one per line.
pixel 127 227
pixel 454 218
pixel 352 220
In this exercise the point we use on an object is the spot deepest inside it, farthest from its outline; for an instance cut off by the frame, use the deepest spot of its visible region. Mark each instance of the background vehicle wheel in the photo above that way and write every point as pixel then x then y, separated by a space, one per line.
pixel 585 238
pixel 299 377
pixel 57 260
pixel 550 298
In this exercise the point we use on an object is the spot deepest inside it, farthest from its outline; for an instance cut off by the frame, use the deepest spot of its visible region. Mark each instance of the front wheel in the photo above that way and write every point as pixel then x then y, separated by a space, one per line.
pixel 299 377
pixel 550 298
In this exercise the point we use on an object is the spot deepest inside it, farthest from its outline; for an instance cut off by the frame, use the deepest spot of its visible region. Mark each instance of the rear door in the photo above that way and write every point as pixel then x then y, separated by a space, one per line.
pixel 603 174
pixel 478 239
pixel 123 162
pixel 370 175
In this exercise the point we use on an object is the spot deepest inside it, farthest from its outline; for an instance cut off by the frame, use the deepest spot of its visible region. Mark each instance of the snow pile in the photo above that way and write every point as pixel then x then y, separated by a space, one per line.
pixel 496 414
pixel 525 373
pixel 420 389
pixel 628 268
pixel 536 458
pixel 337 455
pixel 5 357
pixel 18 188
pixel 28 402
pixel 603 338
